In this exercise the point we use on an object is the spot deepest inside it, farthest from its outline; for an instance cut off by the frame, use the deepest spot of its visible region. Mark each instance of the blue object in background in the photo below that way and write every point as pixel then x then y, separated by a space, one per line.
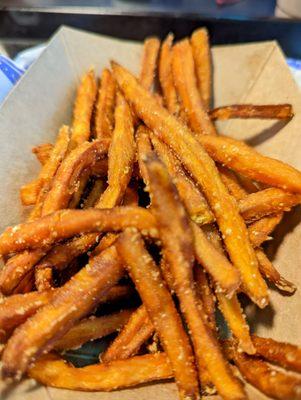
pixel 10 73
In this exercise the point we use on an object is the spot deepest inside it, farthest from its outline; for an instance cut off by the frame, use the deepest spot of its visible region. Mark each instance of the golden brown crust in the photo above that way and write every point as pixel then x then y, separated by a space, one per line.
pixel 275 111
pixel 151 49
pixel 42 152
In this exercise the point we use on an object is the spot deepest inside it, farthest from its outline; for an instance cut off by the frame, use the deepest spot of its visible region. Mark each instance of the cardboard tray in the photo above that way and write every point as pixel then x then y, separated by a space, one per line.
pixel 247 73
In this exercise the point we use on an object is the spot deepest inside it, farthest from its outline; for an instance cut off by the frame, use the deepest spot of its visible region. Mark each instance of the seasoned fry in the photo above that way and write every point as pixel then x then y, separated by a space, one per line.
pixel 232 184
pixel 42 152
pixel 260 231
pixel 30 192
pixel 135 332
pixel 203 170
pixel 71 302
pixel 166 78
pixel 104 116
pixel 55 372
pixel 284 354
pixel 161 310
pixel 92 328
pixel 184 76
pixel 176 236
pixel 149 62
pixel 95 193
pixel 203 68
pixel 64 224
pixel 144 146
pixel 247 161
pixel 267 201
pixel 83 107
pixel 275 111
pixel 207 296
pixel 268 270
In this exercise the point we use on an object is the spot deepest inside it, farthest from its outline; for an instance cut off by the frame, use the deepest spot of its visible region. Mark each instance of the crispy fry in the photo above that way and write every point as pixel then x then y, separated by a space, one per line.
pixel 207 296
pixel 55 372
pixel 185 80
pixel 166 78
pixel 70 303
pixel 247 161
pixel 260 231
pixel 176 236
pixel 149 62
pixel 26 285
pixel 143 147
pixel 268 270
pixel 79 189
pixel 203 170
pixel 67 177
pixel 203 68
pixel 100 168
pixel 92 328
pixel 161 310
pixel 95 193
pixel 232 184
pixel 267 201
pixel 275 111
pixel 135 332
pixel 42 152
pixel 30 192
pixel 268 380
pixel 64 224
pixel 104 117
pixel 83 107
pixel 284 354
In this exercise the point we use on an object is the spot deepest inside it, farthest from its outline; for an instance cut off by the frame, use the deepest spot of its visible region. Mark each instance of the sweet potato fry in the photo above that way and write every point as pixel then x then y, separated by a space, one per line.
pixel 104 116
pixel 202 59
pixel 247 161
pixel 201 167
pixel 232 184
pixel 70 303
pixel 283 354
pixel 267 201
pixel 149 62
pixel 269 272
pixel 144 146
pixel 207 296
pixel 166 78
pixel 185 80
pixel 29 193
pixel 55 372
pixel 94 194
pixel 275 111
pixel 260 231
pixel 135 332
pixel 92 328
pixel 161 310
pixel 42 152
pixel 176 237
pixel 64 224
pixel 83 107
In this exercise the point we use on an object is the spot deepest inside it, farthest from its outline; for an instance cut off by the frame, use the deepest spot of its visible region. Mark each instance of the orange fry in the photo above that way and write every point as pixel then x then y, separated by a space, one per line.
pixel 185 80
pixel 135 332
pixel 95 193
pixel 283 354
pixel 176 237
pixel 260 231
pixel 83 107
pixel 55 372
pixel 30 192
pixel 92 328
pixel 247 161
pixel 70 303
pixel 202 168
pixel 144 146
pixel 275 111
pixel 232 184
pixel 104 117
pixel 203 68
pixel 64 224
pixel 166 78
pixel 149 62
pixel 161 310
pixel 42 152
pixel 207 296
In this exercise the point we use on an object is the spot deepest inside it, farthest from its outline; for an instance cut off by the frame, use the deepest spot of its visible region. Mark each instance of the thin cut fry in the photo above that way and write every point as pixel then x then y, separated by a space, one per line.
pixel 166 78
pixel 29 193
pixel 104 117
pixel 260 231
pixel 55 372
pixel 185 80
pixel 135 332
pixel 176 236
pixel 83 108
pixel 247 161
pixel 283 354
pixel 42 152
pixel 203 68
pixel 202 168
pixel 207 296
pixel 161 310
pixel 149 62
pixel 143 147
pixel 95 193
pixel 268 270
pixel 71 302
pixel 232 184
pixel 92 328
pixel 275 111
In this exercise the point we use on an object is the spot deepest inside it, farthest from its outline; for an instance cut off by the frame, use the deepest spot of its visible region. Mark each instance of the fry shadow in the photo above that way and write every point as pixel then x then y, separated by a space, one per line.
pixel 266 134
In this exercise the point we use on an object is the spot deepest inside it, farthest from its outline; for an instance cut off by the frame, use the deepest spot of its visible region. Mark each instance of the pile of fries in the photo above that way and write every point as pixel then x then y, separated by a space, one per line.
pixel 142 195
